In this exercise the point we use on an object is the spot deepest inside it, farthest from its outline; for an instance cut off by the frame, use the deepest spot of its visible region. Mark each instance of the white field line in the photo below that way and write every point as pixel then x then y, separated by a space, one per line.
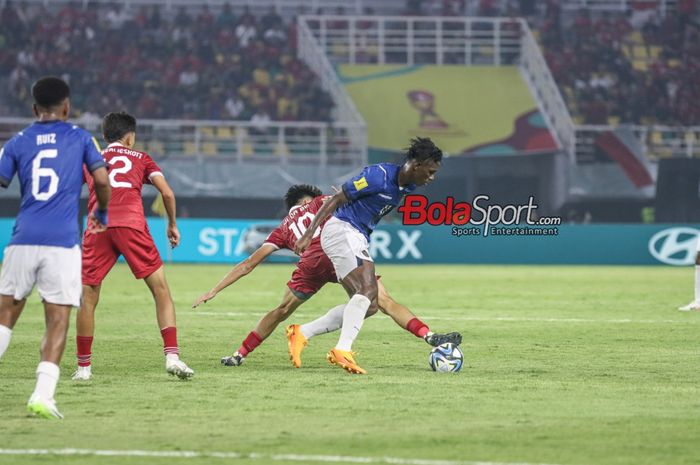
pixel 185 454
pixel 489 318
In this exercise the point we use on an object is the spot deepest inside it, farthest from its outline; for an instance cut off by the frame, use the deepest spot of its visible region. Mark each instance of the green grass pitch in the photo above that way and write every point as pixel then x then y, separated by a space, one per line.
pixel 563 365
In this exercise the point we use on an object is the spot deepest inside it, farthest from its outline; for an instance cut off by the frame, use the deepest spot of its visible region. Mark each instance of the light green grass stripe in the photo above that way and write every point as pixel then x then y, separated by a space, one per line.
pixel 187 454
pixel 497 318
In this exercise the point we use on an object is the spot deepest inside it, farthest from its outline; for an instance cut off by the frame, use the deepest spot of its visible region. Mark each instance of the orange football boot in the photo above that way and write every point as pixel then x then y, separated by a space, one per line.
pixel 345 360
pixel 295 343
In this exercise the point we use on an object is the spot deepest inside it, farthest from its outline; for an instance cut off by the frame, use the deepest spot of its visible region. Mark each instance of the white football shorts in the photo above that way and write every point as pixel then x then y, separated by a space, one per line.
pixel 344 245
pixel 54 270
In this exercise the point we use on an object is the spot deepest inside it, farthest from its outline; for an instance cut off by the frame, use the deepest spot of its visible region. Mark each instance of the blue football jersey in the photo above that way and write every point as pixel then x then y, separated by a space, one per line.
pixel 373 193
pixel 48 159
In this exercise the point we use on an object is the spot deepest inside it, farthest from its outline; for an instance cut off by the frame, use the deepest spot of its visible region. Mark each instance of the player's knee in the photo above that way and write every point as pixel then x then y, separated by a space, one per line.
pixel 160 290
pixel 57 320
pixel 370 291
pixel 373 306
pixel 371 310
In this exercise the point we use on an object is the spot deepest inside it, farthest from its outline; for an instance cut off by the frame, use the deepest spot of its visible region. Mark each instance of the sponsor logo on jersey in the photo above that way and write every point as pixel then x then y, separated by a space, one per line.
pixel 360 183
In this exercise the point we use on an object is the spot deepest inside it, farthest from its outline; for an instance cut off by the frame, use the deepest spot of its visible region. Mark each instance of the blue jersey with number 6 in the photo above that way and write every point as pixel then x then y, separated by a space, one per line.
pixel 48 159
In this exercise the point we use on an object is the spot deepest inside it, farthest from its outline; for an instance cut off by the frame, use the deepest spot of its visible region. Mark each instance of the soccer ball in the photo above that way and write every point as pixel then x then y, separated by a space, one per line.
pixel 446 358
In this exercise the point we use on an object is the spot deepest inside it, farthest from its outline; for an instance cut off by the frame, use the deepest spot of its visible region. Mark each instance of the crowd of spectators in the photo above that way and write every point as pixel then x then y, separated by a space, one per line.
pixel 184 64
pixel 638 67
pixel 641 66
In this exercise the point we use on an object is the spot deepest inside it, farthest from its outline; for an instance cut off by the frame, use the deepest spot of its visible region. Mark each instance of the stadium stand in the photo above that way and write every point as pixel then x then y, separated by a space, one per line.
pixel 183 64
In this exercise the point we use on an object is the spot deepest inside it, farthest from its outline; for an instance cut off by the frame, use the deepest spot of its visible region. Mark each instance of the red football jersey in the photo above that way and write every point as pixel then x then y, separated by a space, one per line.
pixel 129 170
pixel 294 225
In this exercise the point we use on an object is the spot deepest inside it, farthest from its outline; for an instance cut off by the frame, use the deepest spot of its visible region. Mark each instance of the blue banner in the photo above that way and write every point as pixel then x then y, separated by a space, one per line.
pixel 230 241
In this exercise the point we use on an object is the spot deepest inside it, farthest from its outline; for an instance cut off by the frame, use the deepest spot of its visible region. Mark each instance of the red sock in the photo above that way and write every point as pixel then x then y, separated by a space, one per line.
pixel 84 350
pixel 250 343
pixel 170 340
pixel 417 327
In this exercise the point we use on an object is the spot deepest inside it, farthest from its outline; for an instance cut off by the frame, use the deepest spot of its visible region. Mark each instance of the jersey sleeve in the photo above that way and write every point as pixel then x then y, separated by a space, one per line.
pixel 92 157
pixel 151 169
pixel 8 164
pixel 277 238
pixel 370 181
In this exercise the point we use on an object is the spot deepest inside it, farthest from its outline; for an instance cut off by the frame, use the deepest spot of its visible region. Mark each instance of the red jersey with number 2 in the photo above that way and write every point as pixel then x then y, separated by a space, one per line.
pixel 129 170
pixel 293 226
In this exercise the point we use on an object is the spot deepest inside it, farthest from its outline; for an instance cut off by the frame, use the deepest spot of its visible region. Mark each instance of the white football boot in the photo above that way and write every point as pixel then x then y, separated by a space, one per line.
pixel 176 367
pixel 691 307
pixel 44 408
pixel 82 373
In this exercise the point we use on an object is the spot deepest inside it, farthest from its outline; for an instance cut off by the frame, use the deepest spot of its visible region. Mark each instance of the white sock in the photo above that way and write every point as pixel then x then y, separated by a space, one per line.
pixel 172 357
pixel 353 317
pixel 47 375
pixel 331 321
pixel 5 336
pixel 697 289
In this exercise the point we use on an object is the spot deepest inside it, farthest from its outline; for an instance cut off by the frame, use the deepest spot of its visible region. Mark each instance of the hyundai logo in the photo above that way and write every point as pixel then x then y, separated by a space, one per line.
pixel 675 246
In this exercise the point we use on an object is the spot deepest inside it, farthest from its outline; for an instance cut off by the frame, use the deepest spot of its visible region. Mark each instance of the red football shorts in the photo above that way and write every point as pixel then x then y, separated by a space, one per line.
pixel 313 271
pixel 101 251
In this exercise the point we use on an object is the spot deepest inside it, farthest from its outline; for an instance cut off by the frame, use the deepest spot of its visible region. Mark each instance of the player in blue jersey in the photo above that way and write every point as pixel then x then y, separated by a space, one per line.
pixel 48 158
pixel 356 210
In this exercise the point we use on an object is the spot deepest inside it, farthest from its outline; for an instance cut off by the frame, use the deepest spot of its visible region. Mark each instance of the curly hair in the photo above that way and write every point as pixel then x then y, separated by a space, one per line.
pixel 299 191
pixel 423 149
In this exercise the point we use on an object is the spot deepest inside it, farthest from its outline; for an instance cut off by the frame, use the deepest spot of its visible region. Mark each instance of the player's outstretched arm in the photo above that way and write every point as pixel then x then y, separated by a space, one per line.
pixel 97 222
pixel 170 208
pixel 238 271
pixel 326 210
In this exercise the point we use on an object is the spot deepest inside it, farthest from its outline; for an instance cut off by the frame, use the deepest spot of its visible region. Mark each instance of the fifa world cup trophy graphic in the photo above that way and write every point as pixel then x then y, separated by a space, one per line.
pixel 424 102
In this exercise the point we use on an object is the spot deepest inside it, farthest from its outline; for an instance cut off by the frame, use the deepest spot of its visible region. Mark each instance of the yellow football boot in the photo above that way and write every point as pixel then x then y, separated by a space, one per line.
pixel 295 343
pixel 345 360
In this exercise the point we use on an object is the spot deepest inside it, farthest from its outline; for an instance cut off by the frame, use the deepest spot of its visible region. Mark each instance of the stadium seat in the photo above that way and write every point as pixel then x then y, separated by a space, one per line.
pixel 247 149
pixel 191 149
pixel 635 37
pixel 640 65
pixel 209 148
pixel 281 150
pixel 224 132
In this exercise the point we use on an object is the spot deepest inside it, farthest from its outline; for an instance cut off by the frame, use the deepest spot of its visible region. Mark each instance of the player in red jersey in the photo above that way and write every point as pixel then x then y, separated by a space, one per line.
pixel 128 235
pixel 312 272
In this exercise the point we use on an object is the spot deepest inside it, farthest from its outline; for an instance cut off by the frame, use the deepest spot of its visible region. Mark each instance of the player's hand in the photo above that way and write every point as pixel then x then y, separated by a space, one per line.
pixel 204 298
pixel 173 235
pixel 97 222
pixel 302 244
